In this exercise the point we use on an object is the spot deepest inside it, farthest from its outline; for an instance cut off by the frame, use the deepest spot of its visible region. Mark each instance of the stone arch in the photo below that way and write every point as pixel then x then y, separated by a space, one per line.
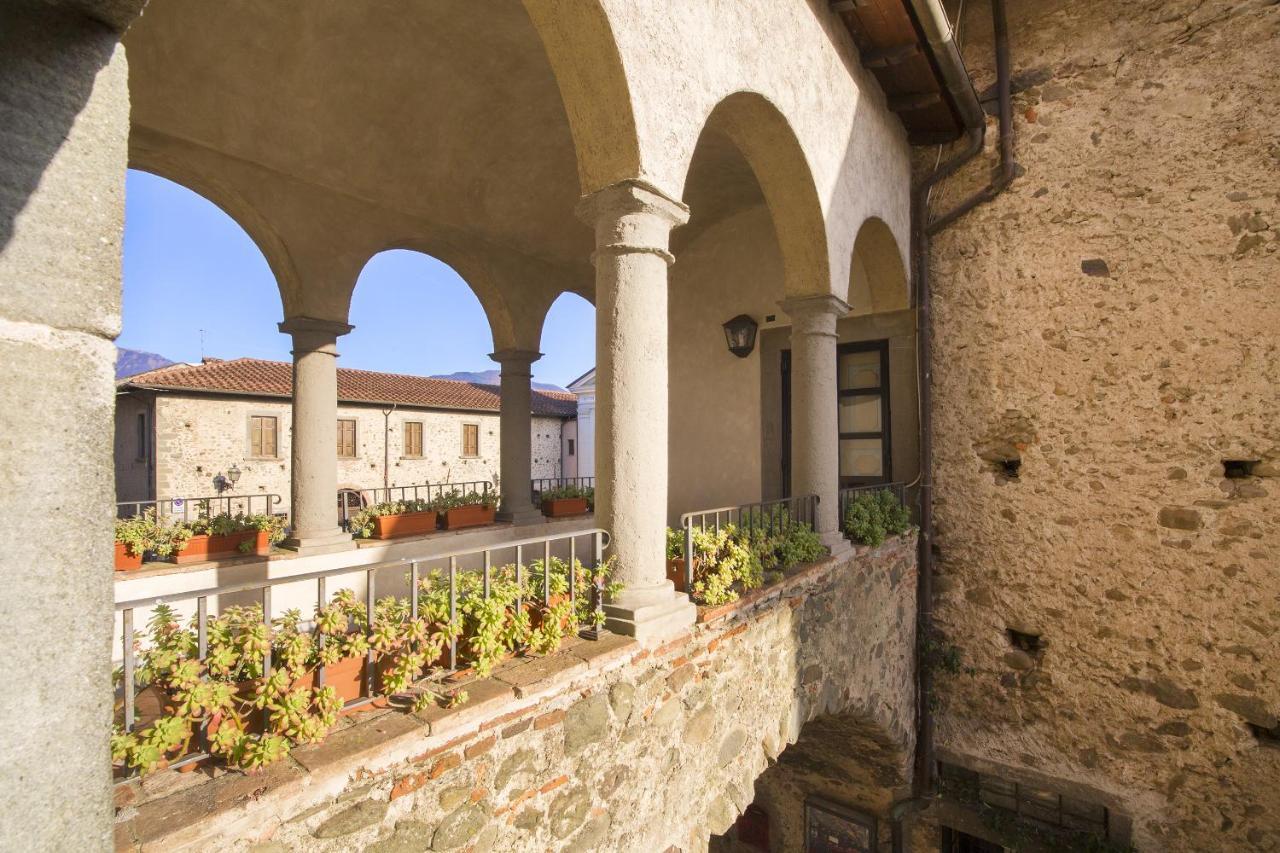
pixel 473 270
pixel 584 57
pixel 877 274
pixel 766 139
pixel 236 207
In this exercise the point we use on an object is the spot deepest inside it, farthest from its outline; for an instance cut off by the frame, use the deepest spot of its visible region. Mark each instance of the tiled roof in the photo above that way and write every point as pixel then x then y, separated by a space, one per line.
pixel 260 378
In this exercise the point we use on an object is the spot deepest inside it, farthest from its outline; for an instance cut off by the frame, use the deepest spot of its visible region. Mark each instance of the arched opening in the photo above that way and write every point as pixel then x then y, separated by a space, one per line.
pixel 568 362
pixel 200 300
pixel 877 276
pixel 755 236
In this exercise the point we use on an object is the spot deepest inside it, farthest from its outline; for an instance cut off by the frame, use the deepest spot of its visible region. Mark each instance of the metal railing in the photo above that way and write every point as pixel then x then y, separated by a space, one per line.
pixel 541 547
pixel 418 492
pixel 188 509
pixel 770 516
pixel 545 484
pixel 848 494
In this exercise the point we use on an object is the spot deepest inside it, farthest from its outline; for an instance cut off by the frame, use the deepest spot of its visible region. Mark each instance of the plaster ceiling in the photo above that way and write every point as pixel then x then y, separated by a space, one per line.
pixel 446 111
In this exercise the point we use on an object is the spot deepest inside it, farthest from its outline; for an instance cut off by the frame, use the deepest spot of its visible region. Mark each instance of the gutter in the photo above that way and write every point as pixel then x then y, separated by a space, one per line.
pixel 932 22
pixel 922 228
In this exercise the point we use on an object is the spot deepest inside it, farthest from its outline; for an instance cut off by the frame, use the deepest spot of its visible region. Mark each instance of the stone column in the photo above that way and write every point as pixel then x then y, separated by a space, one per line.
pixel 516 428
pixel 314 457
pixel 815 443
pixel 65 114
pixel 632 224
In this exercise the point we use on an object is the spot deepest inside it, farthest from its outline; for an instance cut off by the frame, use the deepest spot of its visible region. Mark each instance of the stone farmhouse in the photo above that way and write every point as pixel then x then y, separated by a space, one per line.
pixel 1011 260
pixel 180 429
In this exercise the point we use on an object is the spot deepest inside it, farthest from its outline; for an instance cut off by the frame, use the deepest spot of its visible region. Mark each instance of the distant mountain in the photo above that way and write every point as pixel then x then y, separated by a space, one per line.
pixel 130 362
pixel 488 377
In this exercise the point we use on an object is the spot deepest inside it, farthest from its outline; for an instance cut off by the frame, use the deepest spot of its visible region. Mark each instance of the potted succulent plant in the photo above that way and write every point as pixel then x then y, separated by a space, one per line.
pixel 568 500
pixel 145 533
pixel 226 535
pixel 469 509
pixel 394 520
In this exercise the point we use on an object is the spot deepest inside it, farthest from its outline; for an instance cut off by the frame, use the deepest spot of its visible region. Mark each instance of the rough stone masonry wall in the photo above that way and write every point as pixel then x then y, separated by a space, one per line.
pixel 199 437
pixel 603 746
pixel 1112 322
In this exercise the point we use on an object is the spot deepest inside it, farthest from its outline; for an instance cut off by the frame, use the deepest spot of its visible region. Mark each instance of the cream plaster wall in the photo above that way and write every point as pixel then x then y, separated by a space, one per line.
pixel 198 437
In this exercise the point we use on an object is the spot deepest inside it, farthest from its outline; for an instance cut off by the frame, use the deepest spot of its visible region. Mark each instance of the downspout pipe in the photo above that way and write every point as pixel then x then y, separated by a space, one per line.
pixel 922 228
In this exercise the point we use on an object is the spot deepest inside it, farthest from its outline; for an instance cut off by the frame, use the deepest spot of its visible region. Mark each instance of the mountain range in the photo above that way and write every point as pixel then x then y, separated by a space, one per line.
pixel 130 362
pixel 489 377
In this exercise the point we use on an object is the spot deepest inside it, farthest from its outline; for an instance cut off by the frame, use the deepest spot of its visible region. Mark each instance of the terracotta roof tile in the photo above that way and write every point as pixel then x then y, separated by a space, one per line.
pixel 275 379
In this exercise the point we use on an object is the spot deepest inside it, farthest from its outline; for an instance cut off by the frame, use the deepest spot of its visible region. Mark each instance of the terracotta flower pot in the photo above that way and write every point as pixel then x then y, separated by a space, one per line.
pixel 346 677
pixel 561 507
pixel 675 572
pixel 126 560
pixel 208 547
pixel 468 516
pixel 404 524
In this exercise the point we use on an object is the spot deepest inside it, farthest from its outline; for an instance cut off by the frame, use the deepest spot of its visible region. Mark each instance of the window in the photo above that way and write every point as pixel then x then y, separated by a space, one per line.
pixel 862 372
pixel 346 438
pixel 1059 815
pixel 571 443
pixel 142 437
pixel 262 436
pixel 413 438
pixel 471 439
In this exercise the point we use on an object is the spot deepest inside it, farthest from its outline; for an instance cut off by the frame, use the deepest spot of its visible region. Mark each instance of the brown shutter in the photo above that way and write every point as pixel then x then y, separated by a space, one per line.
pixel 470 440
pixel 347 438
pixel 270 429
pixel 255 436
pixel 413 438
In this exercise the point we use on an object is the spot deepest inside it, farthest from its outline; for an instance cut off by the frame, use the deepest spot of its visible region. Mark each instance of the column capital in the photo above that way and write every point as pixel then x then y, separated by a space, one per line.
pixel 515 357
pixel 632 217
pixel 314 335
pixel 811 306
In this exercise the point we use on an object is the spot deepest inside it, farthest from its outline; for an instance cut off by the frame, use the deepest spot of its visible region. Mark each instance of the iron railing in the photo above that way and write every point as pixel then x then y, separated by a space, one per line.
pixel 189 509
pixel 421 491
pixel 545 484
pixel 847 495
pixel 769 516
pixel 542 547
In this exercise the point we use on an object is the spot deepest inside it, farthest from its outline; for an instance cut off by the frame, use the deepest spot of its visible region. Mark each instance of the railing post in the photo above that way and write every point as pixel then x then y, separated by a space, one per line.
pixel 126 636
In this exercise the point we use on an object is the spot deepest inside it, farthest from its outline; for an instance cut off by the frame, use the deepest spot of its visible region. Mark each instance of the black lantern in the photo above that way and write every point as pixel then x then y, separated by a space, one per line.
pixel 740 332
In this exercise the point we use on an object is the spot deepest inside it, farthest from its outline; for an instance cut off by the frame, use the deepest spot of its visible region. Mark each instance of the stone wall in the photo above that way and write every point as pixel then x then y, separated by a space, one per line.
pixel 198 437
pixel 604 746
pixel 1110 322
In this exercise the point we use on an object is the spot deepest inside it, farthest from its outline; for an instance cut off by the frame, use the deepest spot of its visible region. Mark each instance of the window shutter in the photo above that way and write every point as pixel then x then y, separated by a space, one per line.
pixel 255 437
pixel 470 440
pixel 269 436
pixel 413 438
pixel 346 438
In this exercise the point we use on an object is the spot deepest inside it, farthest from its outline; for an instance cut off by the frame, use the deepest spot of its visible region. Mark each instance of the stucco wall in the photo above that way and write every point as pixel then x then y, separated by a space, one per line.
pixel 1111 320
pixel 199 437
pixel 714 428
pixel 132 462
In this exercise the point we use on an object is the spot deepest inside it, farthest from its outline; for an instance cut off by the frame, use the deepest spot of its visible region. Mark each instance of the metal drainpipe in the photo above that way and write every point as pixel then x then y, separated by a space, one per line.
pixel 386 448
pixel 921 231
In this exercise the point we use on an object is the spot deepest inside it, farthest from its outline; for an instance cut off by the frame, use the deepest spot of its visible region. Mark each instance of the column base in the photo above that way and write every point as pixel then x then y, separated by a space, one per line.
pixel 522 515
pixel 307 544
pixel 652 618
pixel 836 543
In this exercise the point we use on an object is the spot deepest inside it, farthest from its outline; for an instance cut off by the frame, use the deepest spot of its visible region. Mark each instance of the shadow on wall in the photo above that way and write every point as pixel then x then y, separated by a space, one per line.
pixel 44 50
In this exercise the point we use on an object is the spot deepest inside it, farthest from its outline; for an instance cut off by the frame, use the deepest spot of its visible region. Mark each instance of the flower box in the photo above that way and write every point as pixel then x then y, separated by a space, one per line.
pixel 209 547
pixel 474 515
pixel 404 524
pixel 126 560
pixel 562 507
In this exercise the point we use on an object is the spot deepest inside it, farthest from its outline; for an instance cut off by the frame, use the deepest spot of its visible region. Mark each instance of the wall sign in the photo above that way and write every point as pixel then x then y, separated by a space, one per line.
pixel 832 828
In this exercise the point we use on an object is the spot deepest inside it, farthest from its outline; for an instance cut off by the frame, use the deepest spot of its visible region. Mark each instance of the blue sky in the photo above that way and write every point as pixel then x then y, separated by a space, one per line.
pixel 188 266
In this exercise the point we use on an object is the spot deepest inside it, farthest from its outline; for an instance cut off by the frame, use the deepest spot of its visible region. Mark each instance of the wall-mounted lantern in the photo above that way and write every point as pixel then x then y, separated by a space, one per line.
pixel 740 332
pixel 227 481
